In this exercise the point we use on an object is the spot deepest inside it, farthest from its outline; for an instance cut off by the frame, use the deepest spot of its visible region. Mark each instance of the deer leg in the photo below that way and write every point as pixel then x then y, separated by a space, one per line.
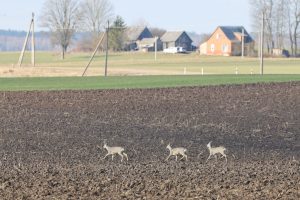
pixel 208 158
pixel 112 156
pixel 121 156
pixel 224 155
pixel 125 156
pixel 105 156
pixel 183 156
pixel 168 157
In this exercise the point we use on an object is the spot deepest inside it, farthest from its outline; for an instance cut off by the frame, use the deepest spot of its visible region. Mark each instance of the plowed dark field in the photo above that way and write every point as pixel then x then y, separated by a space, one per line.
pixel 51 143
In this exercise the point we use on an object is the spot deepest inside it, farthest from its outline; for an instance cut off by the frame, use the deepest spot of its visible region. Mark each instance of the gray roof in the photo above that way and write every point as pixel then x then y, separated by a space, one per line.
pixel 133 33
pixel 147 40
pixel 171 36
pixel 231 30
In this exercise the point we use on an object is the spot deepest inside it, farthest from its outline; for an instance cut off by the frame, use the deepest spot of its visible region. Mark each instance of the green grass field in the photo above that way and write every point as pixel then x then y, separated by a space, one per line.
pixel 125 69
pixel 114 82
pixel 127 63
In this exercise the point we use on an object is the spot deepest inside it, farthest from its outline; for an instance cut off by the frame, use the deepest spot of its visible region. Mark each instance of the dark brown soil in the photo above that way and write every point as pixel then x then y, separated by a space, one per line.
pixel 48 143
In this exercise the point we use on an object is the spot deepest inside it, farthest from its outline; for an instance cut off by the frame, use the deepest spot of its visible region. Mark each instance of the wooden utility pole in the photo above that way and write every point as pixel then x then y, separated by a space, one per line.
pixel 107 46
pixel 243 42
pixel 32 42
pixel 96 49
pixel 262 44
pixel 156 38
pixel 23 49
pixel 31 29
pixel 94 53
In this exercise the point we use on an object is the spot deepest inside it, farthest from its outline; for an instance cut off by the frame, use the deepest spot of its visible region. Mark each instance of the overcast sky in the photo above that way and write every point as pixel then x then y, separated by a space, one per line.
pixel 199 16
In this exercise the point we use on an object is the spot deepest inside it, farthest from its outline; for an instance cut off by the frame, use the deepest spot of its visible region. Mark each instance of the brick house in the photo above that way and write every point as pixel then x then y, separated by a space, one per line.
pixel 227 41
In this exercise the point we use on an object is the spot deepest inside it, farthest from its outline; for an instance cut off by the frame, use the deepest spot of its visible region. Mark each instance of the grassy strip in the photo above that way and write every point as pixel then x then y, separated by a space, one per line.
pixel 87 83
pixel 172 64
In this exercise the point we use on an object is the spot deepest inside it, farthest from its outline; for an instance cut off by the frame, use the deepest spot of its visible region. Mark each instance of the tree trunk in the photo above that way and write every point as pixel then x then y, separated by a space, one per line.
pixel 295 43
pixel 63 53
pixel 296 38
pixel 291 43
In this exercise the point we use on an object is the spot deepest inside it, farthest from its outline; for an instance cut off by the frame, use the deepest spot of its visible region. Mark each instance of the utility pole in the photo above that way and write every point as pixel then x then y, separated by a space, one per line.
pixel 262 44
pixel 107 45
pixel 32 43
pixel 243 42
pixel 93 55
pixel 156 38
pixel 31 29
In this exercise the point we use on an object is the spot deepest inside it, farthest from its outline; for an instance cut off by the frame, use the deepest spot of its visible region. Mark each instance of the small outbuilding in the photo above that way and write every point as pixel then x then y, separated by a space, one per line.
pixel 281 53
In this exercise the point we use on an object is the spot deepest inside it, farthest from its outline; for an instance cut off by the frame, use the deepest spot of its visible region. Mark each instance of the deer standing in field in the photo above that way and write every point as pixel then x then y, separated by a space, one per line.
pixel 115 150
pixel 215 150
pixel 177 151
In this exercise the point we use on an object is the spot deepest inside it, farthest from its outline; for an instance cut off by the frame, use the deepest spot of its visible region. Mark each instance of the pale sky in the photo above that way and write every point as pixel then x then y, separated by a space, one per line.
pixel 199 16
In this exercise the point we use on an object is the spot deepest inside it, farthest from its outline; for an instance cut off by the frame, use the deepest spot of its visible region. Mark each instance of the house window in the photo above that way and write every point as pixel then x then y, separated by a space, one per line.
pixel 212 47
pixel 218 36
pixel 225 48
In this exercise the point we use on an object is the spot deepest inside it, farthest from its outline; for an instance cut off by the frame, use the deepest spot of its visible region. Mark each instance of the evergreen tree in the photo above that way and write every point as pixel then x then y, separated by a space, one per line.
pixel 117 34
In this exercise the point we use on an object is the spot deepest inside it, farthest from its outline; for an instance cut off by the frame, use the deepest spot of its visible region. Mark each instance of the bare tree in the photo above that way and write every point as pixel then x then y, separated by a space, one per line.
pixel 269 12
pixel 157 32
pixel 140 22
pixel 282 19
pixel 62 17
pixel 204 37
pixel 96 13
pixel 267 8
pixel 280 23
pixel 294 24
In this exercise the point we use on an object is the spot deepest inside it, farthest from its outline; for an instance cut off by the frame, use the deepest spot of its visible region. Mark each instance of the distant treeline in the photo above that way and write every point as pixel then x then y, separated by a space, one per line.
pixel 11 40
